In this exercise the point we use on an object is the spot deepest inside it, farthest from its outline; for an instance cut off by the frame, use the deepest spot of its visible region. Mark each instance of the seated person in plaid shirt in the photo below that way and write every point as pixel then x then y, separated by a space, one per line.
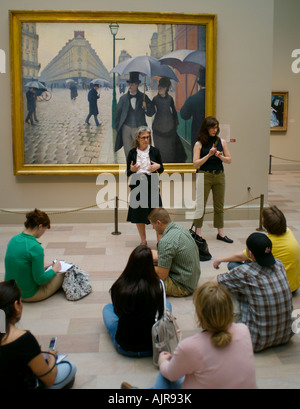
pixel 262 290
pixel 284 246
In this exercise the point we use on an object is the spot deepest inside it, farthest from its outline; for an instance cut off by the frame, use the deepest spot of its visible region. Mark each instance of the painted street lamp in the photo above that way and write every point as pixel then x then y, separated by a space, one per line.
pixel 114 31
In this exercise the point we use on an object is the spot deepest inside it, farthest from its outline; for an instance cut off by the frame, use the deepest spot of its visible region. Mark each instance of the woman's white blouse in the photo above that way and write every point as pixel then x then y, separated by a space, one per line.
pixel 143 159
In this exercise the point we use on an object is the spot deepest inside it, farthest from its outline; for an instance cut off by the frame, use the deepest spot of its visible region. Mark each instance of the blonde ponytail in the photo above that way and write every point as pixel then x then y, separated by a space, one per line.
pixel 222 338
pixel 214 309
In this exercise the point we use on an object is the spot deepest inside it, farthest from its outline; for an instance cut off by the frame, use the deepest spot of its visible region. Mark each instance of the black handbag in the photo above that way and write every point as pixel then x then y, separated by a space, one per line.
pixel 201 243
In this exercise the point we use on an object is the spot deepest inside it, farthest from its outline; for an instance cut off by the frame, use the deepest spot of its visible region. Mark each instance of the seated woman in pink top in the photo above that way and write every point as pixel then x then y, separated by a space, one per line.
pixel 219 356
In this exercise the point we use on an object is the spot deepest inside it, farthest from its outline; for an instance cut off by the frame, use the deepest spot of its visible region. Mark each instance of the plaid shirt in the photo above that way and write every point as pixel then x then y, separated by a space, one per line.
pixel 265 302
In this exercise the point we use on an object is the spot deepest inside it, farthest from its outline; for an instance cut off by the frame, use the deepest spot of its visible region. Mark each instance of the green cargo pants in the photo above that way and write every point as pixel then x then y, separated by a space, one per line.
pixel 214 182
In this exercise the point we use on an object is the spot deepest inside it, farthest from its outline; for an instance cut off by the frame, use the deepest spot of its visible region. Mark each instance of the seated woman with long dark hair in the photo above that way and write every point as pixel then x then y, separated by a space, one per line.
pixel 136 297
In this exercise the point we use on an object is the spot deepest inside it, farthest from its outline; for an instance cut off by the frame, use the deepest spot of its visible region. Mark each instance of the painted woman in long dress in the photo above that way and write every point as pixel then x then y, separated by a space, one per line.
pixel 165 123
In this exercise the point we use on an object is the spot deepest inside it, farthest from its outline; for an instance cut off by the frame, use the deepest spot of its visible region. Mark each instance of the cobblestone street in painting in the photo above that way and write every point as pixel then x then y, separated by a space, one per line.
pixel 62 137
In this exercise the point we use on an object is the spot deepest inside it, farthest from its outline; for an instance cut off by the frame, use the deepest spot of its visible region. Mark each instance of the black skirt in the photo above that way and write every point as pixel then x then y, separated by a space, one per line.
pixel 144 197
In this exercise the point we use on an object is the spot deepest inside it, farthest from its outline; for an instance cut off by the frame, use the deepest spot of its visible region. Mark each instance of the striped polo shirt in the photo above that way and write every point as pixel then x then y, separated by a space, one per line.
pixel 178 252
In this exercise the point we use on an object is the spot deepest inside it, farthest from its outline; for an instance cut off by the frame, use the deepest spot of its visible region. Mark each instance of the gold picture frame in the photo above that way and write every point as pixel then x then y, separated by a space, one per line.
pixel 32 37
pixel 279 111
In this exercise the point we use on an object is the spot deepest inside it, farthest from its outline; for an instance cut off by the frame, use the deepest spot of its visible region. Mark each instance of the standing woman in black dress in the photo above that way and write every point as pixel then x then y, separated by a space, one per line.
pixel 143 165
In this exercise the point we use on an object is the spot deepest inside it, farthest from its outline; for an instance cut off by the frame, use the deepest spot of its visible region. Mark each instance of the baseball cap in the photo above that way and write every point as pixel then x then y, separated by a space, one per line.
pixel 261 247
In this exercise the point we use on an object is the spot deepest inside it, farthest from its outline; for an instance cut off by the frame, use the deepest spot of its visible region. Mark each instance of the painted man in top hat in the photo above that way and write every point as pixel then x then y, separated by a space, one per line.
pixel 131 113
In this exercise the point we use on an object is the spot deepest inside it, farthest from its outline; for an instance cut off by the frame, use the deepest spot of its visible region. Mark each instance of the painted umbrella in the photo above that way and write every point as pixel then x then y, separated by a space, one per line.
pixel 70 83
pixel 36 85
pixel 101 82
pixel 185 61
pixel 145 65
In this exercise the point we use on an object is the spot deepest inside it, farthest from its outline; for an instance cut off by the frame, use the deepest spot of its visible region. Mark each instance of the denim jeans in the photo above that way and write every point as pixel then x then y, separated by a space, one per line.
pixel 232 264
pixel 66 371
pixel 111 321
pixel 163 383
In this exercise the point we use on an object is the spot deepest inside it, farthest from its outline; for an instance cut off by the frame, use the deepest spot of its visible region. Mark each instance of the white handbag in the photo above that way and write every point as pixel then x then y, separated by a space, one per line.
pixel 165 331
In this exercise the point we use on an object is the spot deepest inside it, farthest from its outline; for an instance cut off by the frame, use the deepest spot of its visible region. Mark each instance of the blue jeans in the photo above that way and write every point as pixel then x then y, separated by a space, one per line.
pixel 163 383
pixel 233 264
pixel 66 371
pixel 111 321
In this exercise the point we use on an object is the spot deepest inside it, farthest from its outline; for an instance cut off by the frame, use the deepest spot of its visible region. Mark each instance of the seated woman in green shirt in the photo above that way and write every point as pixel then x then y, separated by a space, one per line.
pixel 24 260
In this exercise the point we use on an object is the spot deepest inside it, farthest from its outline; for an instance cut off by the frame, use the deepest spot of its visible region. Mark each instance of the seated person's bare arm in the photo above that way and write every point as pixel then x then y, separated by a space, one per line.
pixel 155 256
pixel 239 258
pixel 162 272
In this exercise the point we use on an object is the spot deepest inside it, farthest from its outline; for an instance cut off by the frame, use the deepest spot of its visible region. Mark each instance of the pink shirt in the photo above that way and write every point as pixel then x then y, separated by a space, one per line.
pixel 206 366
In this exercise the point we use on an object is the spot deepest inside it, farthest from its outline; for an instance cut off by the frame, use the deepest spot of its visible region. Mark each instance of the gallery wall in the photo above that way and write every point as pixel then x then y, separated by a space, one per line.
pixel 286 77
pixel 243 87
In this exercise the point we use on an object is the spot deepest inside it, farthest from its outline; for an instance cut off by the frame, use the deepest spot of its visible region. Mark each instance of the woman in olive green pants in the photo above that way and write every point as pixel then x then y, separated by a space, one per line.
pixel 210 152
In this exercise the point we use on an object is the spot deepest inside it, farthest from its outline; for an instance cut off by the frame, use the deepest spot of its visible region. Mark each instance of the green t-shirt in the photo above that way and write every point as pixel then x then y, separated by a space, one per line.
pixel 178 252
pixel 24 263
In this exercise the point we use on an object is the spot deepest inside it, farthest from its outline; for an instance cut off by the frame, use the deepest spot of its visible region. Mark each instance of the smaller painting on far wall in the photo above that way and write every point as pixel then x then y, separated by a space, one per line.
pixel 279 111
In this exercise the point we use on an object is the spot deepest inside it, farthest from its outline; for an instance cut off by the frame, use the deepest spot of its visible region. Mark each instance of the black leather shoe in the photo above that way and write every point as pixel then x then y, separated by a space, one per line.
pixel 225 238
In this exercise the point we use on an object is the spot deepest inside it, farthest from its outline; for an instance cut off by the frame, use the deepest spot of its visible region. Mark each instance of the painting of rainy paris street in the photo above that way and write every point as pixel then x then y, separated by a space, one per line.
pixel 66 65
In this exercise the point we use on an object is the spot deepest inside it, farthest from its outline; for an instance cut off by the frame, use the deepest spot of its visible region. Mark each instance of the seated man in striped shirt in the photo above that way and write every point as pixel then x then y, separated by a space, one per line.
pixel 177 257
pixel 263 293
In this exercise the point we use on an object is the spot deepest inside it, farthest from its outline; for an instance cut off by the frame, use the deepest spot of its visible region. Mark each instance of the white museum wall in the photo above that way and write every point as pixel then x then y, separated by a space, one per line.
pixel 244 82
pixel 286 145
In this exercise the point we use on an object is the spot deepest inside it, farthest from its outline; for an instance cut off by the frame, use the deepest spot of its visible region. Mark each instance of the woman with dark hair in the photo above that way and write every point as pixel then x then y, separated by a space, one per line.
pixel 22 364
pixel 143 164
pixel 24 260
pixel 136 298
pixel 210 152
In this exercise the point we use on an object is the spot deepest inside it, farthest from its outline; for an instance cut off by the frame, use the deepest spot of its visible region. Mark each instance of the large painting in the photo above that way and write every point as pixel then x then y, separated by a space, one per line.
pixel 70 71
